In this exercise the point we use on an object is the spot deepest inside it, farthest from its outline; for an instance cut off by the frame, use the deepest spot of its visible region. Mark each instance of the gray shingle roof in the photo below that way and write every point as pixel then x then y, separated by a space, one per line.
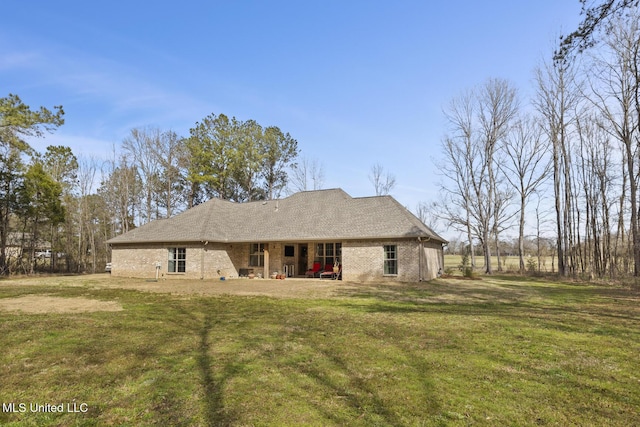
pixel 305 216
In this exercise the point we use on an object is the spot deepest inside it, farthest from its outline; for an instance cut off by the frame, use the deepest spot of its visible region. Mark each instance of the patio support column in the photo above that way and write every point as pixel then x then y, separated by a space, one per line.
pixel 266 264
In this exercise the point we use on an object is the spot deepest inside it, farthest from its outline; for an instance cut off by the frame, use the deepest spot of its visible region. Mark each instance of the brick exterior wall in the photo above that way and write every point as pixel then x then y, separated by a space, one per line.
pixel 432 260
pixel 202 262
pixel 362 260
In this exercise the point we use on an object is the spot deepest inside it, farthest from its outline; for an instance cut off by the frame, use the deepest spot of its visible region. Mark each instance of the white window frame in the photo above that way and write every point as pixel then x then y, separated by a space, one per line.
pixel 321 253
pixel 177 260
pixel 390 264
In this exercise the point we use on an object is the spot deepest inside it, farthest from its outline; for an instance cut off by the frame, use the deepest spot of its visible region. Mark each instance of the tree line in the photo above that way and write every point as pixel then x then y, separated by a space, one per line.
pixel 72 206
pixel 57 211
pixel 158 174
pixel 568 157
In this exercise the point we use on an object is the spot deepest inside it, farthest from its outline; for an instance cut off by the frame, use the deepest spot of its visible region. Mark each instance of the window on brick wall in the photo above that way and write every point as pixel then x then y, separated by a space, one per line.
pixel 390 260
pixel 328 253
pixel 177 260
pixel 289 250
pixel 256 255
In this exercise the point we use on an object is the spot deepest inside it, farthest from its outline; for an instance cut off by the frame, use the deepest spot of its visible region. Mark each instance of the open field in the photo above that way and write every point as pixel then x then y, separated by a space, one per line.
pixel 497 351
pixel 509 263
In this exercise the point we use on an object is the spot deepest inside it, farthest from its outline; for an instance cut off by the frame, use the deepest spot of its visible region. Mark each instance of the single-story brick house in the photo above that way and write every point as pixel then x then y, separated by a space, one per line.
pixel 371 238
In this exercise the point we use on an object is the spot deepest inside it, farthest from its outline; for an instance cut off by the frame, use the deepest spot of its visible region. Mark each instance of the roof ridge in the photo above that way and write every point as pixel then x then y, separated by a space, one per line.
pixel 374 197
pixel 319 191
pixel 207 219
pixel 413 217
pixel 210 214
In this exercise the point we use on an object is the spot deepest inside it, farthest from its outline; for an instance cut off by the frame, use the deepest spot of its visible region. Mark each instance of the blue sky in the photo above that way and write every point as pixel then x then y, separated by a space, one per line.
pixel 355 82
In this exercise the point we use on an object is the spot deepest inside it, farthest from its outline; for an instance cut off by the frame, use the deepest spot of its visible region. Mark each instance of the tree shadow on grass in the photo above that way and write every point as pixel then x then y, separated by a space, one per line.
pixel 361 397
pixel 200 323
pixel 358 399
pixel 214 409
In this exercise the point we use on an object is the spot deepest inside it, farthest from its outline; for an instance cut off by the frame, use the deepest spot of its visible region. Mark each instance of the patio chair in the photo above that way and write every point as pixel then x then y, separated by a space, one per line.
pixel 313 271
pixel 328 268
pixel 331 274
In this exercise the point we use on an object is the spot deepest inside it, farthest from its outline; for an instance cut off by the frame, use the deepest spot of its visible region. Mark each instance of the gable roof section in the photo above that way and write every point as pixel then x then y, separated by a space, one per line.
pixel 305 216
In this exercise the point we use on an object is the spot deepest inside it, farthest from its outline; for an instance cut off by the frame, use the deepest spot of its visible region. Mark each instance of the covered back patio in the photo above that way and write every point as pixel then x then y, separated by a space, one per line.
pixel 291 259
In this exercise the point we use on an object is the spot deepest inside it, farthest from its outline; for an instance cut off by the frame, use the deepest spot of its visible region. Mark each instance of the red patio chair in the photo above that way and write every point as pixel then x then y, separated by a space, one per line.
pixel 312 272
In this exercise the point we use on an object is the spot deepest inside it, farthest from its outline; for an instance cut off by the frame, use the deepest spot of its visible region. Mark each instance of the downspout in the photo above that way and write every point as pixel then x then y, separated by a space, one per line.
pixel 420 248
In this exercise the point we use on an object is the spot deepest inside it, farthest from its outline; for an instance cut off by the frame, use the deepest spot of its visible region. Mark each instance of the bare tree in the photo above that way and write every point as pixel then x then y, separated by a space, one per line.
pixel 556 99
pixel 86 242
pixel 526 167
pixel 479 120
pixel 502 216
pixel 120 190
pixel 543 244
pixel 428 214
pixel 307 174
pixel 598 175
pixel 140 147
pixel 170 154
pixel 615 93
pixel 383 182
pixel 456 192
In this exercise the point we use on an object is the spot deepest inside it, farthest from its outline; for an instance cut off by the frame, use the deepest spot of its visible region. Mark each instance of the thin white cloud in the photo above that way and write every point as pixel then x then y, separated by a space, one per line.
pixel 101 97
pixel 16 60
pixel 84 146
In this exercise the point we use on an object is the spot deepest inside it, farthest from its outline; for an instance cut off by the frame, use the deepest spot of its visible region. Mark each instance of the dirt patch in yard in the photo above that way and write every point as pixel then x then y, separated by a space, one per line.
pixel 288 288
pixel 50 304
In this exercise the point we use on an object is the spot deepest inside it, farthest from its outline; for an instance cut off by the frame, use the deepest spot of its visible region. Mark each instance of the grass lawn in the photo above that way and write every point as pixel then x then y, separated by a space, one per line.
pixel 499 351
